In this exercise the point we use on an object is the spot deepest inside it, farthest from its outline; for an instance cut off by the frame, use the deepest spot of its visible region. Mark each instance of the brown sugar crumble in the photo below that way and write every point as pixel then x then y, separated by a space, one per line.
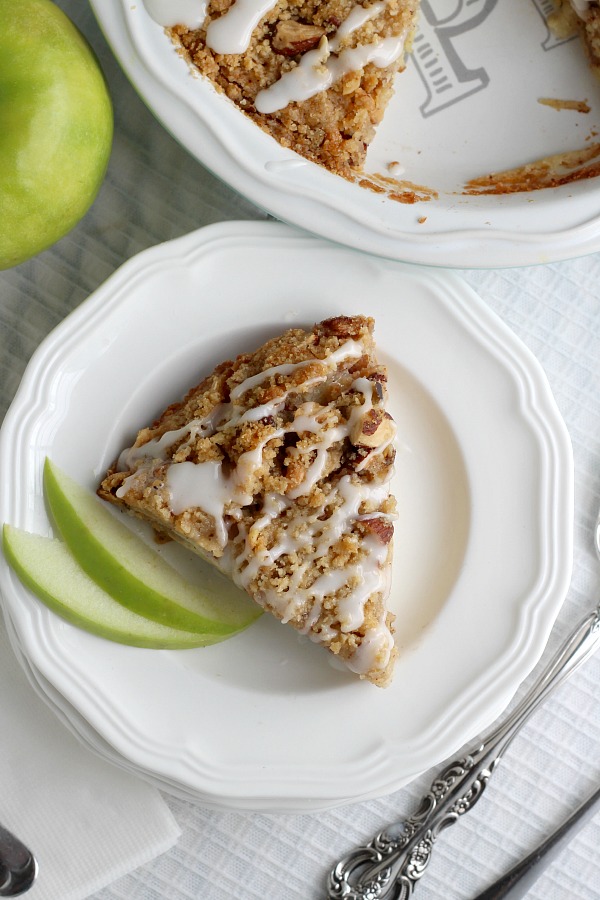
pixel 276 469
pixel 335 125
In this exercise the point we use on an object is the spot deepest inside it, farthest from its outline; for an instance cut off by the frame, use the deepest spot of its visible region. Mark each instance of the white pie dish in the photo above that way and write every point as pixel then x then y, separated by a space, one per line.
pixel 484 117
pixel 483 560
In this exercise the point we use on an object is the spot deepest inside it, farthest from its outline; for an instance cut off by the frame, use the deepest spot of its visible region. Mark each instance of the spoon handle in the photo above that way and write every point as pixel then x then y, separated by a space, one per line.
pixel 391 864
pixel 18 866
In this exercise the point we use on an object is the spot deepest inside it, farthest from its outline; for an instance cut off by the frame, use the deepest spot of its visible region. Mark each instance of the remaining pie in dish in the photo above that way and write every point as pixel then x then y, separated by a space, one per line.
pixel 276 468
pixel 583 16
pixel 317 76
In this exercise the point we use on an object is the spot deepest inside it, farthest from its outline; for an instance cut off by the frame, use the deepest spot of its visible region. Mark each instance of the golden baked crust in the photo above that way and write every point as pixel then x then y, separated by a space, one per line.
pixel 276 468
pixel 335 126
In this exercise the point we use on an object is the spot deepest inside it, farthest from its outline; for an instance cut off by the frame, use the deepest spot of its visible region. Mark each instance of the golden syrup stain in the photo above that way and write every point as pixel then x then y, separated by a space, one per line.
pixel 551 171
pixel 399 190
pixel 580 106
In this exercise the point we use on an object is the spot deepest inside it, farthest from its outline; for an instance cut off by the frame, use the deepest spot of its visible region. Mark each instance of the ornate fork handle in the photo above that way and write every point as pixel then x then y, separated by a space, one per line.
pixel 390 865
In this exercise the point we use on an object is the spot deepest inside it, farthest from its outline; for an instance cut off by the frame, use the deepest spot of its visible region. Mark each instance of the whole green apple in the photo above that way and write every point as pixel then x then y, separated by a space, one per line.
pixel 56 127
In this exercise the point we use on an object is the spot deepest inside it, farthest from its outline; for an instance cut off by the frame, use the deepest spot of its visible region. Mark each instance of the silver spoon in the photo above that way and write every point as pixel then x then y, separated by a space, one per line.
pixel 391 864
pixel 18 866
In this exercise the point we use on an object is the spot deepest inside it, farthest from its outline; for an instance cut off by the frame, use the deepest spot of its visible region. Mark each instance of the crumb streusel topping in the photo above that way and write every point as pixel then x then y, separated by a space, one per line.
pixel 315 74
pixel 276 468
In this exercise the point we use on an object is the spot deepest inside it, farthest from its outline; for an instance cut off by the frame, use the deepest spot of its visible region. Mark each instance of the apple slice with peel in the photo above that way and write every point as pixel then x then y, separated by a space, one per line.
pixel 134 574
pixel 49 570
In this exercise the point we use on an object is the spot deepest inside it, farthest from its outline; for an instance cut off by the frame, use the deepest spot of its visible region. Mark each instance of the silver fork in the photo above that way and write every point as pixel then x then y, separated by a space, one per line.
pixel 518 881
pixel 392 863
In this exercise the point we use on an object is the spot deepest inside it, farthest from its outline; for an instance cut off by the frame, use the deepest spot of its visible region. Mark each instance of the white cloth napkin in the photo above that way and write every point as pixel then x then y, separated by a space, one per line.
pixel 87 822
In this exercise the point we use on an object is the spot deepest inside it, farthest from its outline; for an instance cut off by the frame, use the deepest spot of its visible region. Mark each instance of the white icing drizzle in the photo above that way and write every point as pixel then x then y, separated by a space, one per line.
pixel 157 447
pixel 309 77
pixel 189 483
pixel 396 169
pixel 190 13
pixel 376 451
pixel 348 350
pixel 260 412
pixel 204 486
pixel 356 18
pixel 232 32
pixel 370 578
pixel 317 536
pixel 318 70
pixel 306 536
pixel 304 421
pixel 375 645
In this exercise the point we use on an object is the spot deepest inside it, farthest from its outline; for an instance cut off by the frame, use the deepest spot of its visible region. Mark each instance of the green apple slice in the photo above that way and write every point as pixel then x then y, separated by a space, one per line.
pixel 49 570
pixel 134 574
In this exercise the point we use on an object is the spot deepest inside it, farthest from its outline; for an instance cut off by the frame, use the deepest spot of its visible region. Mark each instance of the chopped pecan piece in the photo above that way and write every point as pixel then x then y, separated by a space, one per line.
pixel 379 379
pixel 344 326
pixel 361 363
pixel 293 37
pixel 381 528
pixel 373 429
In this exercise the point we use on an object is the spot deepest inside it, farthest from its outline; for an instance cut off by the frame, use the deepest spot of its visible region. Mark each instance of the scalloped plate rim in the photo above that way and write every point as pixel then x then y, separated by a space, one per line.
pixel 531 641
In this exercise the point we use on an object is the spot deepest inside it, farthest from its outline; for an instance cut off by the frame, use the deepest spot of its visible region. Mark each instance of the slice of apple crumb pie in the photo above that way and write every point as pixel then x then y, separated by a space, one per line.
pixel 316 76
pixel 276 468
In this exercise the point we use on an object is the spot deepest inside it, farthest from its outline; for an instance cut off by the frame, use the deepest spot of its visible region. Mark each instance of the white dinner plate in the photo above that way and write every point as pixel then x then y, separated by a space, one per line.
pixel 467 105
pixel 483 541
